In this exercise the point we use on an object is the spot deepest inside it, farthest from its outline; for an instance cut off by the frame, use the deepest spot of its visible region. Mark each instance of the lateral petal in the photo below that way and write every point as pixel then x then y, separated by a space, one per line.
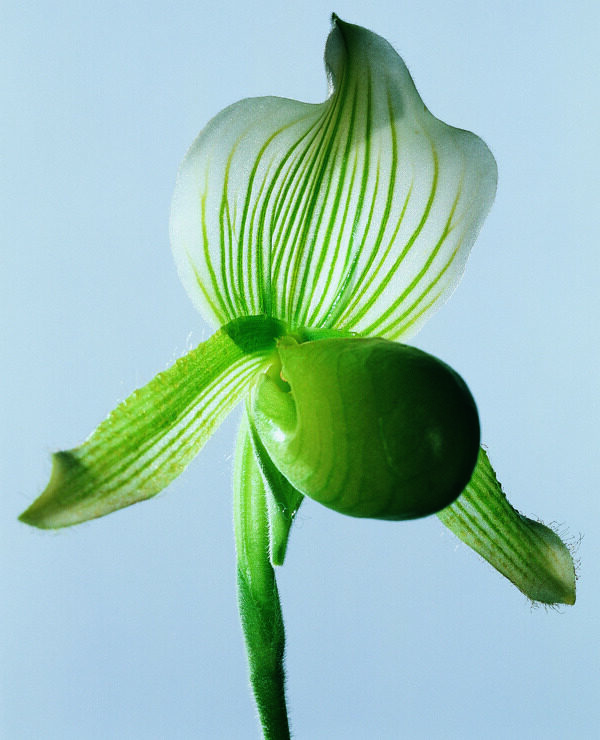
pixel 153 435
pixel 528 553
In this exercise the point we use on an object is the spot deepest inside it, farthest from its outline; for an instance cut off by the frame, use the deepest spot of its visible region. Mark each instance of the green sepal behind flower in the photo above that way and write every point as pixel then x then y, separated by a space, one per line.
pixel 527 552
pixel 152 436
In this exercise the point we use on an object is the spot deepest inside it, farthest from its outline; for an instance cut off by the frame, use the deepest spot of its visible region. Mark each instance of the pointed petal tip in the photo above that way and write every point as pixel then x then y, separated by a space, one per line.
pixel 559 585
pixel 49 510
pixel 28 517
pixel 34 518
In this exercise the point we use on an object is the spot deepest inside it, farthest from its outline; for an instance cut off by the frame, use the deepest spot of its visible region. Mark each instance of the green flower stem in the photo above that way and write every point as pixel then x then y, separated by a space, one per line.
pixel 528 553
pixel 258 598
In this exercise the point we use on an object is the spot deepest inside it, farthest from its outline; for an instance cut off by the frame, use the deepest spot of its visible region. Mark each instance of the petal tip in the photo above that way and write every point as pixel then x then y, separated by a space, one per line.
pixel 558 586
pixel 49 510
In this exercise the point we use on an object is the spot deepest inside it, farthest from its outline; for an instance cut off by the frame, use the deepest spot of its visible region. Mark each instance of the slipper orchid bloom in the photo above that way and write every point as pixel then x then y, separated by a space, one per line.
pixel 317 239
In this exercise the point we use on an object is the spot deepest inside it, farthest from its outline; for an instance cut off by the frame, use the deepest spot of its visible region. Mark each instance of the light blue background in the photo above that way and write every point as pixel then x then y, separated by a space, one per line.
pixel 127 627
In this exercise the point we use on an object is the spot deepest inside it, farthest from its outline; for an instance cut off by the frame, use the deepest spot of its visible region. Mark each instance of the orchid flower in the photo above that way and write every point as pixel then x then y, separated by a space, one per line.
pixel 317 239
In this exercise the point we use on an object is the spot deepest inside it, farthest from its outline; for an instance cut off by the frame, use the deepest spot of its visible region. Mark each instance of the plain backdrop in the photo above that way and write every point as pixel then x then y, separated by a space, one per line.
pixel 127 627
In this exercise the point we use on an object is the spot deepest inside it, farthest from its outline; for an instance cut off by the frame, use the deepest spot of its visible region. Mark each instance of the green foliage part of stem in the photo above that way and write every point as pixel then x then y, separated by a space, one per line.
pixel 258 597
pixel 528 553
pixel 152 436
pixel 283 500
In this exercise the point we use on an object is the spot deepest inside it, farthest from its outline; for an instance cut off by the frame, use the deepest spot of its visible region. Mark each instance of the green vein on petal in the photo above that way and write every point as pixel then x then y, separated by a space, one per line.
pixel 329 259
pixel 356 213
pixel 369 273
pixel 425 288
pixel 260 138
pixel 152 436
pixel 528 553
pixel 228 245
pixel 300 210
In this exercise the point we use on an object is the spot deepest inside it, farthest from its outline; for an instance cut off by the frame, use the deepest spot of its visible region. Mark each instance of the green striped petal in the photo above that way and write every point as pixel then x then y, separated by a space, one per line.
pixel 357 213
pixel 152 436
pixel 528 553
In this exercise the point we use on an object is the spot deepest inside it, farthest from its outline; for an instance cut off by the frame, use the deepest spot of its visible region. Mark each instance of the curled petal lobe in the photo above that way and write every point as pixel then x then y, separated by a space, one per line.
pixel 357 213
